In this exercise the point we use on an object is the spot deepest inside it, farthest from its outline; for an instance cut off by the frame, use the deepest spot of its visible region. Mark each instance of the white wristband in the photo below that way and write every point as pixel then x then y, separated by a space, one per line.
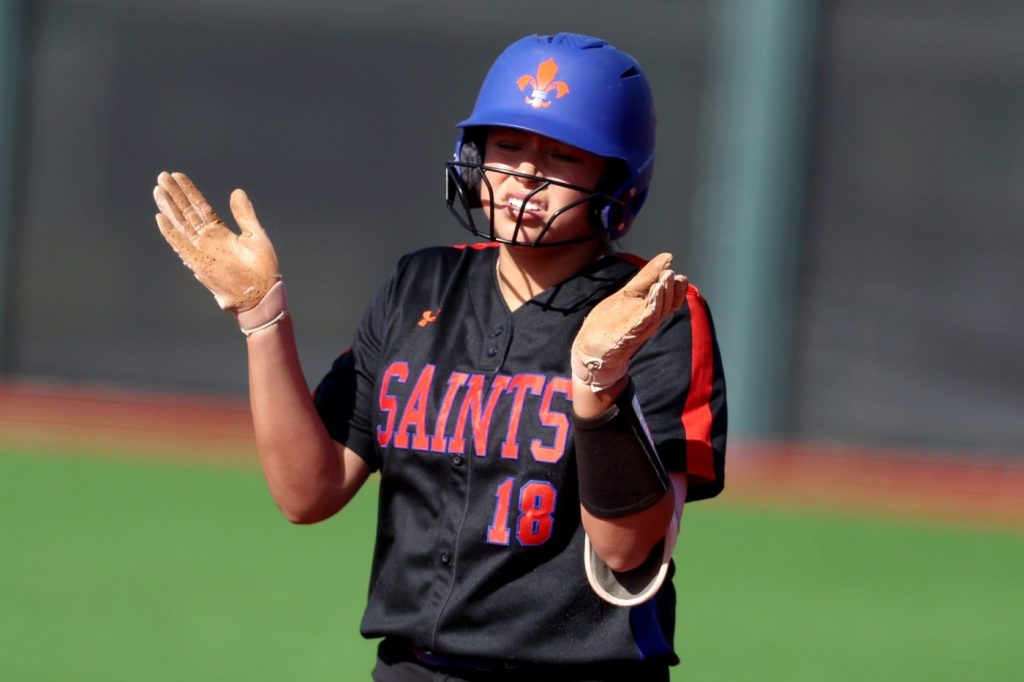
pixel 271 309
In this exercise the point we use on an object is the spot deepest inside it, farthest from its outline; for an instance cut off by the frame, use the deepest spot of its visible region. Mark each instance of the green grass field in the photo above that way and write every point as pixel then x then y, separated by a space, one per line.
pixel 133 570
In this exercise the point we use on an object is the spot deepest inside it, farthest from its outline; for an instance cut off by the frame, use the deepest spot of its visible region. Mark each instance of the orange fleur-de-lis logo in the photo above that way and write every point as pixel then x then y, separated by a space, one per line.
pixel 542 85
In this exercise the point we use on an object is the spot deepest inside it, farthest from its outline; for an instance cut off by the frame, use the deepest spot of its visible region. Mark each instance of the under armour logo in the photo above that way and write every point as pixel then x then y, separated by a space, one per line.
pixel 428 317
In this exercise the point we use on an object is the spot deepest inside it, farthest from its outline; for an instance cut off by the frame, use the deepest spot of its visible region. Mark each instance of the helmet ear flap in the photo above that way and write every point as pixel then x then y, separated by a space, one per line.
pixel 471 155
pixel 620 216
pixel 606 214
pixel 636 201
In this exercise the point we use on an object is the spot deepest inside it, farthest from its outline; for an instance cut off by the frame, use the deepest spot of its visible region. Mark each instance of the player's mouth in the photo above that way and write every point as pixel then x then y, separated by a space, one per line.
pixel 529 209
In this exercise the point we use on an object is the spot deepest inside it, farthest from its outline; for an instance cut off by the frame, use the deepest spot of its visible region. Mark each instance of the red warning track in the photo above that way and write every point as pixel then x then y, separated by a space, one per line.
pixel 122 422
pixel 964 489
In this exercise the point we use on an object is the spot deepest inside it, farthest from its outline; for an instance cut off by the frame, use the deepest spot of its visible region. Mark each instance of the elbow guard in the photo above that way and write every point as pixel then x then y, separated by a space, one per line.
pixel 620 472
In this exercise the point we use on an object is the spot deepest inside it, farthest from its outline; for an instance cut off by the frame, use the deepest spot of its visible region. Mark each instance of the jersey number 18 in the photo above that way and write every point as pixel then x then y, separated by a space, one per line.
pixel 536 509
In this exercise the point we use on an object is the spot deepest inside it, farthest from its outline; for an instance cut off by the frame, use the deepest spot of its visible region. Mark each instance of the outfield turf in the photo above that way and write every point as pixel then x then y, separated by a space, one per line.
pixel 132 570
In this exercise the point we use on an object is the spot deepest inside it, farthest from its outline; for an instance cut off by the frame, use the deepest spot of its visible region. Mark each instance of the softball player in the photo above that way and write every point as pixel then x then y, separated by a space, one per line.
pixel 538 405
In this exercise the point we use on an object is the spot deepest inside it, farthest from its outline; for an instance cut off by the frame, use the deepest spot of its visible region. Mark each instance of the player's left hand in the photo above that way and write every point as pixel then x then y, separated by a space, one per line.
pixel 619 325
pixel 238 269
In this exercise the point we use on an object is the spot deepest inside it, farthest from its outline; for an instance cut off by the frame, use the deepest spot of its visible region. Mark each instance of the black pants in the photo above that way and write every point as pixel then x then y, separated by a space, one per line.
pixel 396 663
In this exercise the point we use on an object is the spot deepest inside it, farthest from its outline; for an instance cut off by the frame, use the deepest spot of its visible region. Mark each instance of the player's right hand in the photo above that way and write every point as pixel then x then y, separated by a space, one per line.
pixel 239 269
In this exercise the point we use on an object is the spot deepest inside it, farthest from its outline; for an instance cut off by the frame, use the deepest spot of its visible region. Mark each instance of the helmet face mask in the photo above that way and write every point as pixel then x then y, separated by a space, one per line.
pixel 463 187
pixel 577 90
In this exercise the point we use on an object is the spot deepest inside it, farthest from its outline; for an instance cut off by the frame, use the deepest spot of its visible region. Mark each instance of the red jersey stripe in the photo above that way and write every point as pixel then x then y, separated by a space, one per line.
pixel 633 259
pixel 476 246
pixel 700 458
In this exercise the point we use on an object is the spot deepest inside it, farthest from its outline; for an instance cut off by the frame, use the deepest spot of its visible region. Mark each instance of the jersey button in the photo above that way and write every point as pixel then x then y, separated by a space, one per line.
pixel 457 460
pixel 445 558
pixel 492 351
pixel 497 331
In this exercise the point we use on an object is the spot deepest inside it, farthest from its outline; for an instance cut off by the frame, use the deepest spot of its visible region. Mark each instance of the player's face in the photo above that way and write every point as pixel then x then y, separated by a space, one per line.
pixel 514 195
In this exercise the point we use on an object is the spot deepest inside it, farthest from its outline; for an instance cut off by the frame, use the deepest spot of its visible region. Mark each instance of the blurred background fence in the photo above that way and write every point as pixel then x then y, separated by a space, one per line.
pixel 842 179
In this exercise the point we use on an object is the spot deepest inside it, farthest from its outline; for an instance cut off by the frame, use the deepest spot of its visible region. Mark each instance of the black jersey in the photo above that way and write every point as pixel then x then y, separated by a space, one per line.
pixel 464 408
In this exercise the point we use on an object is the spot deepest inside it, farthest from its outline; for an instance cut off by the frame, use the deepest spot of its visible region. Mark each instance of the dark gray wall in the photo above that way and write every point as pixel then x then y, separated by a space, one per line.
pixel 336 117
pixel 911 328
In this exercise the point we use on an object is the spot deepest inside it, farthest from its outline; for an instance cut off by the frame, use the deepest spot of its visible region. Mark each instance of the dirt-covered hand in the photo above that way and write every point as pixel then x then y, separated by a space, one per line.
pixel 619 325
pixel 239 269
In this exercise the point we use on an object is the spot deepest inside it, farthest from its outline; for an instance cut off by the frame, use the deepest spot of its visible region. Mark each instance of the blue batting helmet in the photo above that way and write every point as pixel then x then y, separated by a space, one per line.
pixel 578 90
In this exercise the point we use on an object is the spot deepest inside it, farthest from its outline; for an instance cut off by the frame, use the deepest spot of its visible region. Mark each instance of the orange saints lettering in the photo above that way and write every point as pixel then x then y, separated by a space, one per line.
pixel 464 412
